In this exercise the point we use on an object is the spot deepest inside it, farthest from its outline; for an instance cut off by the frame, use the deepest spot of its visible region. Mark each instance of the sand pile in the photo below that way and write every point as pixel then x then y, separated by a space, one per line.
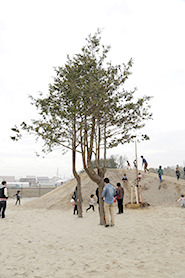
pixel 170 190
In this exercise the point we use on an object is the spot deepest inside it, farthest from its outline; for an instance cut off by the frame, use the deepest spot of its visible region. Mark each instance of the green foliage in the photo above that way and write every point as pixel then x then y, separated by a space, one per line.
pixel 87 108
pixel 110 163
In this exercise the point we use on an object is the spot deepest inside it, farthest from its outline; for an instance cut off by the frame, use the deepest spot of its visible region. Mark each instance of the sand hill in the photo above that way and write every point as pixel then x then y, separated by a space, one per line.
pixel 52 242
pixel 170 190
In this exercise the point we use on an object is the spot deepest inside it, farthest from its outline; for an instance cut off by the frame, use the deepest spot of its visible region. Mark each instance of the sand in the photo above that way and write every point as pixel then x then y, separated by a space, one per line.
pixel 42 243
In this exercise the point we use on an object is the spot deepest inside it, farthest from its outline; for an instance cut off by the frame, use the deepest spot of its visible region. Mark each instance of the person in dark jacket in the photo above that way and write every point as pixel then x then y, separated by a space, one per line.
pixel 178 173
pixel 160 173
pixel 18 197
pixel 3 198
pixel 97 194
pixel 120 195
pixel 75 198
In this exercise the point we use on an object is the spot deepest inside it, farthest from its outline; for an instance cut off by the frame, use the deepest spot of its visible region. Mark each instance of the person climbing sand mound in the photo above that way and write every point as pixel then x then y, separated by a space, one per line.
pixel 145 163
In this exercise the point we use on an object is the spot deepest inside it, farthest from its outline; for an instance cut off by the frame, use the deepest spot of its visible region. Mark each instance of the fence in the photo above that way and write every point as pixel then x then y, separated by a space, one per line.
pixel 29 192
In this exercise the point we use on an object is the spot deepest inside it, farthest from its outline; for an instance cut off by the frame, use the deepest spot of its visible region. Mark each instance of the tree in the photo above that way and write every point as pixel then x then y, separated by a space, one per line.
pixel 88 110
pixel 110 163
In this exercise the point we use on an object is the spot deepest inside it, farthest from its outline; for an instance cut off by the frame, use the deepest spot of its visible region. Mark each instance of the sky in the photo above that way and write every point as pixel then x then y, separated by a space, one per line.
pixel 37 35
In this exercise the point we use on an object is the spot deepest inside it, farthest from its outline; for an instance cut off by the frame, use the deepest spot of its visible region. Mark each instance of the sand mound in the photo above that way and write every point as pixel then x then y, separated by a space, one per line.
pixel 154 193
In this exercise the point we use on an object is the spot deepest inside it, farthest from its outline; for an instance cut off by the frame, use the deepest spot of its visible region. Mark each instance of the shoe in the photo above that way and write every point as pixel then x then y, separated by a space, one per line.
pixel 112 225
pixel 106 226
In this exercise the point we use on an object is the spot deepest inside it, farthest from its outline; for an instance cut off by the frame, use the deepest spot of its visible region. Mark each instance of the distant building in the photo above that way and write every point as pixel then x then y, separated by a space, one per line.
pixel 7 178
pixel 43 180
pixel 30 180
pixel 17 184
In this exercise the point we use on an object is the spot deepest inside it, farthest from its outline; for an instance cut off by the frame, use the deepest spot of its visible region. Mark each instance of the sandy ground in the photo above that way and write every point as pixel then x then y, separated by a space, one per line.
pixel 41 243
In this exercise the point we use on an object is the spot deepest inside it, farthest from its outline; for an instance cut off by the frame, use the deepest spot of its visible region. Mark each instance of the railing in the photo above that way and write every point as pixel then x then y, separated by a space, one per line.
pixel 30 192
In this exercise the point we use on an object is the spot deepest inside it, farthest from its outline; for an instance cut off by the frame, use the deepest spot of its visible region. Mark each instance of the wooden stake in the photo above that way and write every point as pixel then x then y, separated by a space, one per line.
pixel 132 194
pixel 136 191
pixel 141 194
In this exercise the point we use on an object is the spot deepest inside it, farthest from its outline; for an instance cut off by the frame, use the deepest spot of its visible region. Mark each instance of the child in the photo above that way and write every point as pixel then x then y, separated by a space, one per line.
pixel 91 203
pixel 124 179
pixel 18 197
pixel 139 176
pixel 182 199
pixel 128 165
pixel 160 173
pixel 145 163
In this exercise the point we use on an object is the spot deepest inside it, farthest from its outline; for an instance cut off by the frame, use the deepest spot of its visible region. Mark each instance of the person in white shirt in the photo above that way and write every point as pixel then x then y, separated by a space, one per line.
pixel 91 203
pixel 182 199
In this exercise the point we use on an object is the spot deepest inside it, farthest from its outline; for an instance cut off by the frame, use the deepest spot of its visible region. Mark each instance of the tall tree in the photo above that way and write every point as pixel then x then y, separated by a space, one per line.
pixel 89 111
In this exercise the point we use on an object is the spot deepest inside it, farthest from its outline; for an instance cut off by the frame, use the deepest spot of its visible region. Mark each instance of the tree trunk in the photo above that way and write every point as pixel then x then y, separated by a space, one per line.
pixel 79 200
pixel 77 177
pixel 101 204
pixel 98 179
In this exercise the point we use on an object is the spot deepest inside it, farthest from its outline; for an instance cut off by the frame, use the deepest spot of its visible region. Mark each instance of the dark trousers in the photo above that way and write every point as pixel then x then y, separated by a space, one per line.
pixel 75 209
pixel 120 205
pixel 90 206
pixel 3 207
pixel 18 201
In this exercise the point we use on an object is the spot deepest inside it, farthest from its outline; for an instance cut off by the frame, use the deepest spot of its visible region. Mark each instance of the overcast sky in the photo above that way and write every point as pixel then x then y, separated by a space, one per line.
pixel 36 36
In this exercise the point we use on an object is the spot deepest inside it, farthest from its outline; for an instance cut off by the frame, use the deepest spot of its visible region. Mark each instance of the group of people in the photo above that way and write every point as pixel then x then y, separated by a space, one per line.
pixel 109 195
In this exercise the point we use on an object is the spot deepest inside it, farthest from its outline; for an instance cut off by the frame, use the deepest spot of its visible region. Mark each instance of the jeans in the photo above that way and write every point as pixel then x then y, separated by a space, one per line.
pixel 160 178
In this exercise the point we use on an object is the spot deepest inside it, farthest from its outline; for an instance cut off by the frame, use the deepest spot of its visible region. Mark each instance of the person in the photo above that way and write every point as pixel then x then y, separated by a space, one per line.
pixel 139 176
pixel 128 165
pixel 135 163
pixel 97 194
pixel 124 179
pixel 108 195
pixel 182 199
pixel 184 171
pixel 18 197
pixel 145 163
pixel 160 173
pixel 75 198
pixel 3 198
pixel 177 173
pixel 91 203
pixel 120 195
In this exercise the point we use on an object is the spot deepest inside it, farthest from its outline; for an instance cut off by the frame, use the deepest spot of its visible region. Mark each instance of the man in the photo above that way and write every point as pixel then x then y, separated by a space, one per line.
pixel 120 195
pixel 3 198
pixel 144 162
pixel 108 194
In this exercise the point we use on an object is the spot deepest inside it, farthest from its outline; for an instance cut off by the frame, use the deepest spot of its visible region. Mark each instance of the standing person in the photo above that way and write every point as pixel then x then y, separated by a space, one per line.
pixel 75 198
pixel 91 203
pixel 97 194
pixel 145 163
pixel 135 163
pixel 178 173
pixel 160 173
pixel 108 194
pixel 18 197
pixel 184 171
pixel 128 165
pixel 120 195
pixel 182 199
pixel 3 198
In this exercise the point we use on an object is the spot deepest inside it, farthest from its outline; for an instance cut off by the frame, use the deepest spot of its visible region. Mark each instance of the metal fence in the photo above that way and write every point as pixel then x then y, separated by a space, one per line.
pixel 29 192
